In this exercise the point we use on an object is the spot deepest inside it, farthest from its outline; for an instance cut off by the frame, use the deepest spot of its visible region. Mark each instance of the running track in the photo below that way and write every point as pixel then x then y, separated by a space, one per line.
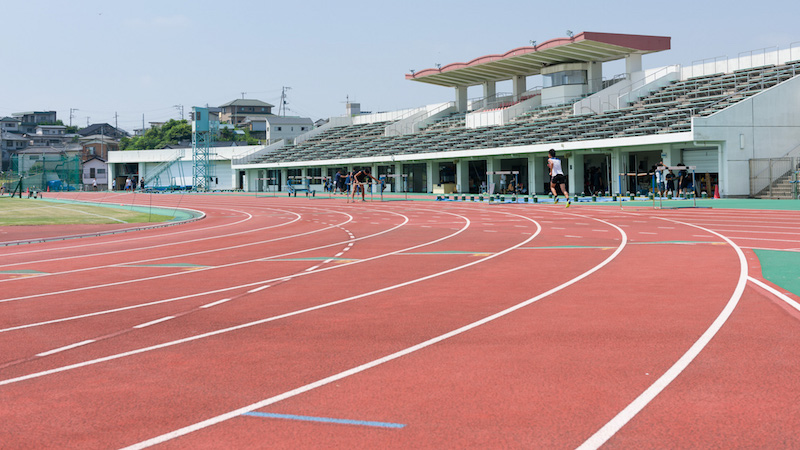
pixel 295 323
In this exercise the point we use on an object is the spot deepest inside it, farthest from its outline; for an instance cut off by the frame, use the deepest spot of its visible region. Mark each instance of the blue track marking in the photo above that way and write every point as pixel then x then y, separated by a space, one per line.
pixel 326 419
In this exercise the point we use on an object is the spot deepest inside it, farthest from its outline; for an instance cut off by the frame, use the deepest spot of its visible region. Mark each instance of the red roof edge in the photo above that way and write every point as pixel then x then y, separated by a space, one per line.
pixel 633 41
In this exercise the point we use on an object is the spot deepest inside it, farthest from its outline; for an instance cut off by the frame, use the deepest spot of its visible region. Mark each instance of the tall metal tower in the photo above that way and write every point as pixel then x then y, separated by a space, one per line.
pixel 203 132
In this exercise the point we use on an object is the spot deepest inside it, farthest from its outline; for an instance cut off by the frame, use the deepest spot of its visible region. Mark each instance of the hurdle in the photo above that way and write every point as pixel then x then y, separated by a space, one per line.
pixel 689 169
pixel 404 190
pixel 268 185
pixel 491 185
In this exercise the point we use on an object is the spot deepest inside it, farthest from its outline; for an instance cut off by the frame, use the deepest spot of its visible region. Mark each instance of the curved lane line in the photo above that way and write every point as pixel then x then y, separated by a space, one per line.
pixel 775 292
pixel 623 417
pixel 257 283
pixel 269 319
pixel 92 255
pixel 235 413
pixel 136 280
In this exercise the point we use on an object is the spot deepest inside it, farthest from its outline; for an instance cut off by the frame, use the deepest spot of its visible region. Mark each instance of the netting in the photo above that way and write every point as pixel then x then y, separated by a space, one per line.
pixel 44 172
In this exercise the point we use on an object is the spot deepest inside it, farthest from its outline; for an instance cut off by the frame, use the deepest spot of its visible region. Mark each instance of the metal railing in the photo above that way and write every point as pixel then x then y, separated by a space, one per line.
pixel 774 177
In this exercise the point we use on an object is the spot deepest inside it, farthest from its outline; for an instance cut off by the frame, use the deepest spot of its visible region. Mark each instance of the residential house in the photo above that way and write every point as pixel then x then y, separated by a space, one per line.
pixel 103 129
pixel 95 172
pixel 45 135
pixel 29 120
pixel 10 144
pixel 235 112
pixel 97 146
pixel 275 128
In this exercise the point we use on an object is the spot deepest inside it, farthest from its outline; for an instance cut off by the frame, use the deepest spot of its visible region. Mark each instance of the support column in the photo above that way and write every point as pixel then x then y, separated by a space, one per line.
pixel 429 176
pixel 519 86
pixel 284 179
pixel 491 166
pixel 461 98
pixel 595 75
pixel 575 174
pixel 399 183
pixel 374 169
pixel 462 176
pixel 489 89
pixel 633 64
pixel 534 178
pixel 617 158
pixel 112 175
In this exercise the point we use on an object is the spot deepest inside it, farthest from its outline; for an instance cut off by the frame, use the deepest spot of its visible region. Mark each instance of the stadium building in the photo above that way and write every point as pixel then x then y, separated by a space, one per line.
pixel 725 117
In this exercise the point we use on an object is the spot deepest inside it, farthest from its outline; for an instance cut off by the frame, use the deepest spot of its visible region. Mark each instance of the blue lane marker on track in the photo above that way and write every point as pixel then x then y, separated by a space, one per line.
pixel 325 419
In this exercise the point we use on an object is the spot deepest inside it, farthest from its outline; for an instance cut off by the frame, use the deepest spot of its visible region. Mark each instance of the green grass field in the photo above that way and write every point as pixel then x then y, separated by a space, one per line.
pixel 16 211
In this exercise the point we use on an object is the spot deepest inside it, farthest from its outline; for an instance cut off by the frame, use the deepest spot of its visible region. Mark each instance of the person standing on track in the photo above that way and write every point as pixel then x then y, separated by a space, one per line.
pixel 661 179
pixel 360 181
pixel 557 177
pixel 338 182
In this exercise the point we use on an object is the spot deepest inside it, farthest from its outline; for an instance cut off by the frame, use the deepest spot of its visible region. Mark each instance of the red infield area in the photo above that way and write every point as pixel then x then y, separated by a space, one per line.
pixel 297 323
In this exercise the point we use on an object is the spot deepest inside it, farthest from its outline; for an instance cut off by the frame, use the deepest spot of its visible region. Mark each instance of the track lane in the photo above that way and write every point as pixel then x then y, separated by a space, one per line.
pixel 372 393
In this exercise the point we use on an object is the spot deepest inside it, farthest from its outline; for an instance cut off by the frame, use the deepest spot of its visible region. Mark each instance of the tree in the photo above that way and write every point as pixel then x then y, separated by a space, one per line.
pixel 171 133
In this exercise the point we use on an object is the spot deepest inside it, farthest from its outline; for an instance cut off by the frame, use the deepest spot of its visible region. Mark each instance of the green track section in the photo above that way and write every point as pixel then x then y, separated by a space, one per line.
pixel 781 268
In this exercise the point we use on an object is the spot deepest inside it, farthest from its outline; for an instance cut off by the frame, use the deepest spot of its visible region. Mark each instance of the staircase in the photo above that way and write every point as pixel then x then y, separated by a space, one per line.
pixel 154 174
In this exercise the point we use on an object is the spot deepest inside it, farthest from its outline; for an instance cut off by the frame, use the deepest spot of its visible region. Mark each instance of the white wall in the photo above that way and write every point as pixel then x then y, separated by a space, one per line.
pixel 766 125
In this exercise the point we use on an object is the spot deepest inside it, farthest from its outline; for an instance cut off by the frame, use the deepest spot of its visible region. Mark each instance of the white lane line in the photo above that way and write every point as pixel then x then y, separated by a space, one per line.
pixel 623 417
pixel 776 293
pixel 260 288
pixel 257 283
pixel 646 232
pixel 267 258
pixel 218 302
pixel 163 319
pixel 179 242
pixel 270 319
pixel 68 347
pixel 238 412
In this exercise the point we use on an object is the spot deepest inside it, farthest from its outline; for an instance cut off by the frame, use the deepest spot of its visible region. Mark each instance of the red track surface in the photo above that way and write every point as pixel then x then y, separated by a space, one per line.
pixel 471 325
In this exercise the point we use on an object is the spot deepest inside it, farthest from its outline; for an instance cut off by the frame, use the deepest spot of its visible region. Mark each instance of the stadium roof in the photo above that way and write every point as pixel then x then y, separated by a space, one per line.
pixel 526 61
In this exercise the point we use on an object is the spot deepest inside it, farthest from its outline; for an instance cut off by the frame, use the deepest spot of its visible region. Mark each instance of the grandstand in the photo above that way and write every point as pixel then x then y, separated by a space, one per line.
pixel 719 115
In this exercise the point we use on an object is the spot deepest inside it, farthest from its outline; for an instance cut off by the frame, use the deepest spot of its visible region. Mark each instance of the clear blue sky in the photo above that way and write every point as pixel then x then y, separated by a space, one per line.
pixel 144 57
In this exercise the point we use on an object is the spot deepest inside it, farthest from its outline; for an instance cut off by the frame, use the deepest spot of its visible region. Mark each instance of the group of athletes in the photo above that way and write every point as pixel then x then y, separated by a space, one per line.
pixel 356 180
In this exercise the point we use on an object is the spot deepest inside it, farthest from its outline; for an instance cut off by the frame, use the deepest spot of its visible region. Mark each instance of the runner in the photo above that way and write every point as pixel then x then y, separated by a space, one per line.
pixel 360 181
pixel 557 177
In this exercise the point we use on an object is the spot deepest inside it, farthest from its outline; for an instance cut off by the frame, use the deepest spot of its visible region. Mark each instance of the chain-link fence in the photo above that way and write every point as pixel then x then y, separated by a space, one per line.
pixel 774 177
pixel 44 172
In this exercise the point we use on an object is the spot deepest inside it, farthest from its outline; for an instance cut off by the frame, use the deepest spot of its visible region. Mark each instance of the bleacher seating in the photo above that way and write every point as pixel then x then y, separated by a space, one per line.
pixel 668 110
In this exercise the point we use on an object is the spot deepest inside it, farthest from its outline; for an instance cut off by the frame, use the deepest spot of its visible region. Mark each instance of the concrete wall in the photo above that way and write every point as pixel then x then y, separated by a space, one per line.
pixel 766 125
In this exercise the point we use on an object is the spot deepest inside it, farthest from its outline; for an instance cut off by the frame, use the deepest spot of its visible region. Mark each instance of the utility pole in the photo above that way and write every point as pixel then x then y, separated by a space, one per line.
pixel 179 108
pixel 87 121
pixel 283 100
pixel 243 95
pixel 72 114
pixel 116 121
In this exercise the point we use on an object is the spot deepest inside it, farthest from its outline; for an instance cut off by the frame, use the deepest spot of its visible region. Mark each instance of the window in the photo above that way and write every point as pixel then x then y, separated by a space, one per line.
pixel 564 78
pixel 279 128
